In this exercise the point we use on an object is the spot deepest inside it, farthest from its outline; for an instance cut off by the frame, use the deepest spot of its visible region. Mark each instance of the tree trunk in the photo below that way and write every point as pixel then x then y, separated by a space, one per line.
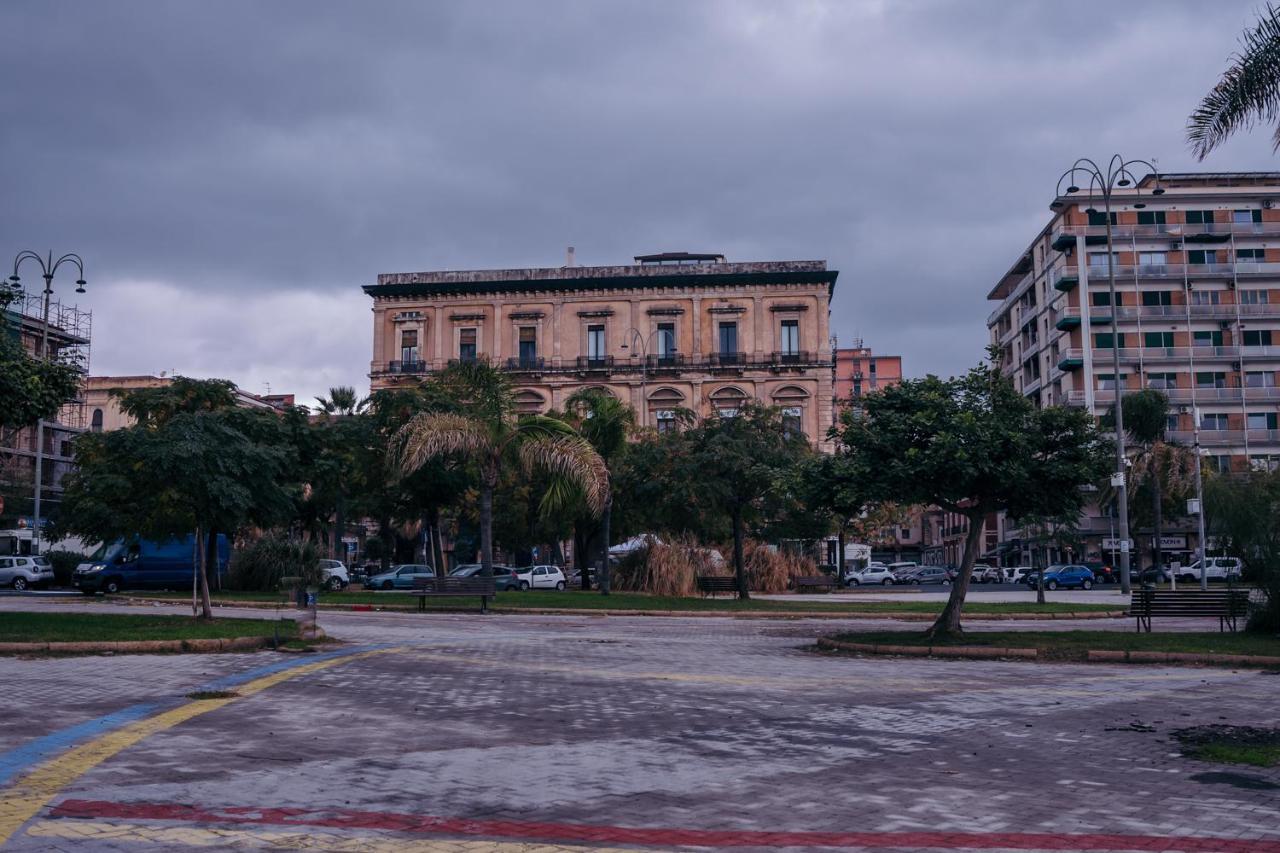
pixel 739 564
pixel 206 606
pixel 339 523
pixel 437 546
pixel 605 518
pixel 1158 519
pixel 388 537
pixel 487 484
pixel 581 557
pixel 211 566
pixel 948 622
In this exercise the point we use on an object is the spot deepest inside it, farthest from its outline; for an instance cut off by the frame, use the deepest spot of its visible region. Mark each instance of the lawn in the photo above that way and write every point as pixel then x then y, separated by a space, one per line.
pixel 17 627
pixel 1072 645
pixel 1232 745
pixel 578 600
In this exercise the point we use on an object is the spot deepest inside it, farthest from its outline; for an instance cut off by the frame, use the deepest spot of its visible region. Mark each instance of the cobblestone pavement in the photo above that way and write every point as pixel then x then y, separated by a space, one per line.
pixel 462 732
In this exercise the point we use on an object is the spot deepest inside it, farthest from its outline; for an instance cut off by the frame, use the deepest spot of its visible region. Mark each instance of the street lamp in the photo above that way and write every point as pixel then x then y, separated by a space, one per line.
pixel 1117 174
pixel 635 336
pixel 48 269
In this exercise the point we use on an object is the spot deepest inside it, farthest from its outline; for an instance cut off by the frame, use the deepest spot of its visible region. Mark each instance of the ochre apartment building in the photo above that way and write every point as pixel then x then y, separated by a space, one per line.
pixel 669 331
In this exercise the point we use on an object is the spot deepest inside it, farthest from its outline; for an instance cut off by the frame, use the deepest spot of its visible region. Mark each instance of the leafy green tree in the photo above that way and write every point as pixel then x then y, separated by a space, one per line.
pixel 1247 93
pixel 834 490
pixel 735 464
pixel 1244 513
pixel 974 446
pixel 344 432
pixel 191 463
pixel 30 388
pixel 490 435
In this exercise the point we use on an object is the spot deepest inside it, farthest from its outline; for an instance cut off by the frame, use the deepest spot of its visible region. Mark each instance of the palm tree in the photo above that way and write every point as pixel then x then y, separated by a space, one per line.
pixel 1167 467
pixel 489 433
pixel 607 423
pixel 345 403
pixel 342 400
pixel 1248 92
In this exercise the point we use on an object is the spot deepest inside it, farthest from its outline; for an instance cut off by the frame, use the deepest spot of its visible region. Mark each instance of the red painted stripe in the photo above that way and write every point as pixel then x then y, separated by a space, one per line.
pixel 663 837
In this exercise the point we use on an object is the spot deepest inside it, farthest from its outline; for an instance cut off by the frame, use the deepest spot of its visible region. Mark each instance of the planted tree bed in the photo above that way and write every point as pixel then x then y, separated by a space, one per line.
pixel 1074 645
pixel 19 627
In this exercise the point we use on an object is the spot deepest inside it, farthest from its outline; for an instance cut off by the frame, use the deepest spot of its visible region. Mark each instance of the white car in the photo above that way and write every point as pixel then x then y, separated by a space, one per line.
pixel 988 574
pixel 540 577
pixel 22 573
pixel 1019 574
pixel 1219 569
pixel 875 573
pixel 335 575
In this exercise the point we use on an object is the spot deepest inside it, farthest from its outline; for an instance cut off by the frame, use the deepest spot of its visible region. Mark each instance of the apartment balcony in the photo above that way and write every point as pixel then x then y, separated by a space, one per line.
pixel 794 358
pixel 1107 396
pixel 1171 272
pixel 1071 359
pixel 595 363
pixel 526 364
pixel 1069 316
pixel 1213 232
pixel 671 361
pixel 1130 355
pixel 1065 279
pixel 402 368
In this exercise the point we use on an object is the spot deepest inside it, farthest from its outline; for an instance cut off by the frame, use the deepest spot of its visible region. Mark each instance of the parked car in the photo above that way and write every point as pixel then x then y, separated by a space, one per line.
pixel 901 576
pixel 874 573
pixel 1153 575
pixel 22 573
pixel 932 575
pixel 1068 577
pixel 1018 574
pixel 504 577
pixel 144 564
pixel 1102 572
pixel 541 577
pixel 1217 569
pixel 903 567
pixel 988 574
pixel 335 575
pixel 574 577
pixel 401 576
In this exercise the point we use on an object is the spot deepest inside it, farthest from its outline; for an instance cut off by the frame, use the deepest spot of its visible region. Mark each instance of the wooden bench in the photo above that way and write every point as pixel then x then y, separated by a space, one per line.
pixel 713 584
pixel 1227 605
pixel 448 587
pixel 816 583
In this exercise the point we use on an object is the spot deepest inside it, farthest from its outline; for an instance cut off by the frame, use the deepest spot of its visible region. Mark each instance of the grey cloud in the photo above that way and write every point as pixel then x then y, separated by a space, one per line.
pixel 241 152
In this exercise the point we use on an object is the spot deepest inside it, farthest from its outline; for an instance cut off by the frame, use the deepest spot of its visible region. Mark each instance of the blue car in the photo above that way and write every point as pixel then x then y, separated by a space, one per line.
pixel 1066 577
pixel 400 577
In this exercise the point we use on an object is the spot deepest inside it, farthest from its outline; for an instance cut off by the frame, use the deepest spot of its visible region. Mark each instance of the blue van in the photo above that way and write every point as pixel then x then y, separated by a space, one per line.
pixel 143 564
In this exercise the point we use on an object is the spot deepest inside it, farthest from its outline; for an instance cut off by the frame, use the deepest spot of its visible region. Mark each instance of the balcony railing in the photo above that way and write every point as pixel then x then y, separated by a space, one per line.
pixel 1177 272
pixel 408 367
pixel 595 362
pixel 657 363
pixel 1224 229
pixel 526 363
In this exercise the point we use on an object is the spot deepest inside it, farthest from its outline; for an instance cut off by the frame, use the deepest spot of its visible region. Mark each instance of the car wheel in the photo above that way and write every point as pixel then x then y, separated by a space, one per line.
pixel 915 583
pixel 946 583
pixel 1086 584
pixel 887 582
pixel 112 585
pixel 1051 585
pixel 560 586
pixel 853 582
pixel 334 584
pixel 20 584
pixel 524 585
pixel 386 585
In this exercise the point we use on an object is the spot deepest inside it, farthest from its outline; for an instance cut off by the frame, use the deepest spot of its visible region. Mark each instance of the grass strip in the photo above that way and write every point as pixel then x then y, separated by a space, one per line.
pixel 1074 645
pixel 20 627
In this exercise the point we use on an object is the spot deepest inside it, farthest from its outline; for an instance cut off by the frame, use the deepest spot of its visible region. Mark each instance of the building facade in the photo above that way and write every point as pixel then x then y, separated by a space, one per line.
pixel 859 371
pixel 68 331
pixel 1197 315
pixel 102 399
pixel 668 332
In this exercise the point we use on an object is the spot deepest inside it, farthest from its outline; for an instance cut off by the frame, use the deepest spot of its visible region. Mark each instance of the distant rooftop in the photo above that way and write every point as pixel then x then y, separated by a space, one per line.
pixel 678 258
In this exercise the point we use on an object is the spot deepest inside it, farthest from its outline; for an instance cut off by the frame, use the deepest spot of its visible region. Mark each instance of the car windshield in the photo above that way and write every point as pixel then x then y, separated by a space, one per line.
pixel 107 551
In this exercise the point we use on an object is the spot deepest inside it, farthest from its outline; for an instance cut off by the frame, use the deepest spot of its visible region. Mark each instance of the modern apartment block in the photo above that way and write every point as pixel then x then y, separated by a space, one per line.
pixel 670 331
pixel 68 331
pixel 1197 311
pixel 859 371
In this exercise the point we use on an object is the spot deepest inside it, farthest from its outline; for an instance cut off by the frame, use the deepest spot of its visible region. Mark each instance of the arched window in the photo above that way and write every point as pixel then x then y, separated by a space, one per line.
pixel 791 400
pixel 96 423
pixel 663 404
pixel 529 402
pixel 727 401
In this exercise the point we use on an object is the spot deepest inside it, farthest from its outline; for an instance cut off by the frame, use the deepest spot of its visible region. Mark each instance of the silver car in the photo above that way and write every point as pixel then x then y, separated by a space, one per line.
pixel 876 573
pixel 22 573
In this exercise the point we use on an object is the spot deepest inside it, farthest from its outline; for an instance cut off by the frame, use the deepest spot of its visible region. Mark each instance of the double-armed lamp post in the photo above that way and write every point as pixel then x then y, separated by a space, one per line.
pixel 48 269
pixel 1104 182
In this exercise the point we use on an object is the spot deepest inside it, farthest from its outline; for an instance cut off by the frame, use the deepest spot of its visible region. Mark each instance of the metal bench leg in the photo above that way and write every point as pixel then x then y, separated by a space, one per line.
pixel 484 604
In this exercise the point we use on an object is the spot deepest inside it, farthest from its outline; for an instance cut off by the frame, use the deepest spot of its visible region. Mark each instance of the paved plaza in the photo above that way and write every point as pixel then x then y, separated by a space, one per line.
pixel 462 732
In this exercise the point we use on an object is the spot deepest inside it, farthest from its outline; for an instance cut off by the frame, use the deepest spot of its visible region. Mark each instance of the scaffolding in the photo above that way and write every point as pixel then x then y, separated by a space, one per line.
pixel 70 332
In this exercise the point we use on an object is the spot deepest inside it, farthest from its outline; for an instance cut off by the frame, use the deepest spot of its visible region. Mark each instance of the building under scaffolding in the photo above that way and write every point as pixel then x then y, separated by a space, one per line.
pixel 69 332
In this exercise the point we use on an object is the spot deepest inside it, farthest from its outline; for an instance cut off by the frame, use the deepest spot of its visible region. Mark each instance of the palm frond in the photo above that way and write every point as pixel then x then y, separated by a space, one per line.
pixel 432 435
pixel 1248 92
pixel 570 457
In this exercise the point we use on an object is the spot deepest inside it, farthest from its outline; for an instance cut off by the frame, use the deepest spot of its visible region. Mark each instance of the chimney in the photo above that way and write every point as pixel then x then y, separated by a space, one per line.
pixel 568 258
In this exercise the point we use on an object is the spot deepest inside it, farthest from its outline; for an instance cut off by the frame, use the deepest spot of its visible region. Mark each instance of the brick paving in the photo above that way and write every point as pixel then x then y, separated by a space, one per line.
pixel 531 733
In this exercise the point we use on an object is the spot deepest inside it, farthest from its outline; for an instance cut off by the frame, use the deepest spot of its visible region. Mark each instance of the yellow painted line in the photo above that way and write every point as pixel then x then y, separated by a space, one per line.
pixel 32 792
pixel 248 839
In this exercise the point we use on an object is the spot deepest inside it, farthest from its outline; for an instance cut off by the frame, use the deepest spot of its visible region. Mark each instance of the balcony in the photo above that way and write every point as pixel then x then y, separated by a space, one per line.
pixel 594 363
pixel 1213 232
pixel 526 364
pixel 794 358
pixel 1135 354
pixel 1071 359
pixel 670 361
pixel 1065 279
pixel 727 360
pixel 407 368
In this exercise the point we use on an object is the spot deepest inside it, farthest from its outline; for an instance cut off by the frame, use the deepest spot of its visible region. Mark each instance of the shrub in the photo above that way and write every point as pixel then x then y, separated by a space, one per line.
pixel 666 569
pixel 261 566
pixel 769 570
pixel 64 564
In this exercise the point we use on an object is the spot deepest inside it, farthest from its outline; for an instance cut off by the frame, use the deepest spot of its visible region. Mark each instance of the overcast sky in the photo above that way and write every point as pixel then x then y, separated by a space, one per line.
pixel 233 172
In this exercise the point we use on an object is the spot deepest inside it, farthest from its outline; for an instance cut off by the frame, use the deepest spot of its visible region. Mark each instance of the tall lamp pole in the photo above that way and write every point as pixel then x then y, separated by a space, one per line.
pixel 1118 174
pixel 48 269
pixel 637 338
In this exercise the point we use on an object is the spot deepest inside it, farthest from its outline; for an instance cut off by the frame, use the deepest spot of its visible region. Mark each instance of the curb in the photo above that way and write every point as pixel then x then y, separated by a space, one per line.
pixel 968 652
pixel 744 614
pixel 208 645
pixel 1091 656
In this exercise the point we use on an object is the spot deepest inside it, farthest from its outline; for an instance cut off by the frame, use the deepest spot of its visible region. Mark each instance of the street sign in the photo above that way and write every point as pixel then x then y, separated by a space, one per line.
pixel 1116 544
pixel 1117 480
pixel 1193 507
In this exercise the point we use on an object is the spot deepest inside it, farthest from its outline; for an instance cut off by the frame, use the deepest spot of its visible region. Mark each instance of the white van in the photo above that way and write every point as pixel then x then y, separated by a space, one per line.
pixel 1218 569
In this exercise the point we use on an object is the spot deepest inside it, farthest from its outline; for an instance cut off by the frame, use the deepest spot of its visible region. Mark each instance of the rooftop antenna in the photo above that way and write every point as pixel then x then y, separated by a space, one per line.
pixel 569 260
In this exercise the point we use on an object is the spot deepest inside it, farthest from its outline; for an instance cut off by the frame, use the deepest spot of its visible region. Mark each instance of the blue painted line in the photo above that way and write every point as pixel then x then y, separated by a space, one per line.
pixel 18 760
